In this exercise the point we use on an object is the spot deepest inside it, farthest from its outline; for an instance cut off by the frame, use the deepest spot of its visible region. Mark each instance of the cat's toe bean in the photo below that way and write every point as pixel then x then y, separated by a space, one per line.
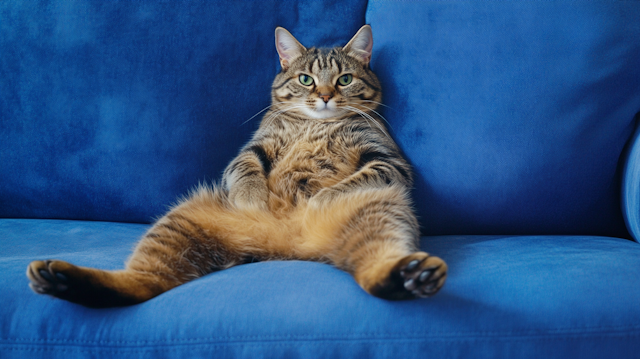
pixel 425 275
pixel 412 265
pixel 61 277
pixel 45 274
pixel 422 275
pixel 410 284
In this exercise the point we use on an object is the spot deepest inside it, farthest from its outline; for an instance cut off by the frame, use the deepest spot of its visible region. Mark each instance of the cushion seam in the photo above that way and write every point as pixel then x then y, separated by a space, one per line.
pixel 60 348
pixel 360 337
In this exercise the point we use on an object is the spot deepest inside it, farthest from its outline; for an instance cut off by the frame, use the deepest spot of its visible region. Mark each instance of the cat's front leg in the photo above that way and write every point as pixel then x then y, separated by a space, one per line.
pixel 379 167
pixel 246 179
pixel 376 171
pixel 249 193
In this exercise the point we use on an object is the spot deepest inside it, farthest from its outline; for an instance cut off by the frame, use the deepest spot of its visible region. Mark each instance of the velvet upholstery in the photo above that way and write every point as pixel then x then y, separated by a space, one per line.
pixel 515 297
pixel 631 187
pixel 518 117
pixel 111 110
pixel 514 113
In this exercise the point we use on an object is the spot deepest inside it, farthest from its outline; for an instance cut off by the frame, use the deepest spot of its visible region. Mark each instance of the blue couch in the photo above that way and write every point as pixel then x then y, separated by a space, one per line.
pixel 519 118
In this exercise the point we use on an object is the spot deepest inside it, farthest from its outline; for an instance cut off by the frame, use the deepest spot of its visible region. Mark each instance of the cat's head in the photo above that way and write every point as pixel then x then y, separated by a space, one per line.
pixel 326 83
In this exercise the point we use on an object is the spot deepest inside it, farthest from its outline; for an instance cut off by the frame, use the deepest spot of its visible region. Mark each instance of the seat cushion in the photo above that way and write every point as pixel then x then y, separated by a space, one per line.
pixel 506 296
pixel 514 113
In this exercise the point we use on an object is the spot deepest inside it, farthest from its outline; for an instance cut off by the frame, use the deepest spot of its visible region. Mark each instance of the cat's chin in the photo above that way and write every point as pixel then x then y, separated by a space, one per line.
pixel 321 114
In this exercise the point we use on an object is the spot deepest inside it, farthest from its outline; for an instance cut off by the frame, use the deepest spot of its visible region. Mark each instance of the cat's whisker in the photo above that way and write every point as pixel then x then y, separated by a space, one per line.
pixel 377 113
pixel 278 112
pixel 373 120
pixel 274 115
pixel 363 115
pixel 263 110
pixel 376 102
pixel 368 123
pixel 369 117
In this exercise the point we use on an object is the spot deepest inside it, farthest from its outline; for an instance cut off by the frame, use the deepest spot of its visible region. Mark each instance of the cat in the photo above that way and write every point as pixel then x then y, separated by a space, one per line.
pixel 320 180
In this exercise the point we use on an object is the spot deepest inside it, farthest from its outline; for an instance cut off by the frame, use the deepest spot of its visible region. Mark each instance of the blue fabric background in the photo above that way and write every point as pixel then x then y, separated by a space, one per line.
pixel 514 113
pixel 111 110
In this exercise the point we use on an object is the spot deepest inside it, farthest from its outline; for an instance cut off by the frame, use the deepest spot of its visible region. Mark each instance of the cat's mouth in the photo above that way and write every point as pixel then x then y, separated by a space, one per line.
pixel 320 114
pixel 322 110
pixel 323 106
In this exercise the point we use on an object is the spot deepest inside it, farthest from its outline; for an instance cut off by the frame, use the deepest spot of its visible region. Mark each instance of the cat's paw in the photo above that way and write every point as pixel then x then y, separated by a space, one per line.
pixel 417 275
pixel 322 198
pixel 422 275
pixel 249 198
pixel 48 277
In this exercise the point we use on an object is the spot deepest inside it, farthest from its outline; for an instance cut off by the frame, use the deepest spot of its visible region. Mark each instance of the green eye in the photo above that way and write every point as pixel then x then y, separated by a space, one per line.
pixel 306 80
pixel 344 80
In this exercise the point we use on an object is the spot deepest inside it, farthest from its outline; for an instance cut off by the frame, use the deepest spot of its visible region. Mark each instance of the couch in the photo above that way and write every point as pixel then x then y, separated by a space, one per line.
pixel 519 118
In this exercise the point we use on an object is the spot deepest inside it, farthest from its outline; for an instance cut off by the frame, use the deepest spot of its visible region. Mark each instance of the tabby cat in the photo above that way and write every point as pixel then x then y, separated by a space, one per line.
pixel 320 180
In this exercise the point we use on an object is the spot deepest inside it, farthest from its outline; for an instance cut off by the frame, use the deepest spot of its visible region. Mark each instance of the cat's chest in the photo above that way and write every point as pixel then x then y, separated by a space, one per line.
pixel 310 160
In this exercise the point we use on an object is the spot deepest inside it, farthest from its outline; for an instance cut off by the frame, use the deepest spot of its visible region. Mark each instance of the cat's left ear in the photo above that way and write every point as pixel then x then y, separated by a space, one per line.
pixel 288 47
pixel 360 45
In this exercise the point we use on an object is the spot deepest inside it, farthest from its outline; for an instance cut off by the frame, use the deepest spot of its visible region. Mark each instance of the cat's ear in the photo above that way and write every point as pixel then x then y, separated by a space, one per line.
pixel 360 45
pixel 288 47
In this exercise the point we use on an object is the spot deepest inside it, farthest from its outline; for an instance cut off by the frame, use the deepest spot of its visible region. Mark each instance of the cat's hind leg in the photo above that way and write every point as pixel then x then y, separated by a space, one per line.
pixel 164 258
pixel 199 236
pixel 93 287
pixel 373 234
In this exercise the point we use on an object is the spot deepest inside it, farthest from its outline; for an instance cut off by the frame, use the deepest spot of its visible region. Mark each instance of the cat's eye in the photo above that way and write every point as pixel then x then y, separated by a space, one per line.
pixel 306 80
pixel 344 80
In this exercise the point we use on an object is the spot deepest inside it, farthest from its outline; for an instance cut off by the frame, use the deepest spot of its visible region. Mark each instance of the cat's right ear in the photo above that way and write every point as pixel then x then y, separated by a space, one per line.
pixel 288 47
pixel 360 45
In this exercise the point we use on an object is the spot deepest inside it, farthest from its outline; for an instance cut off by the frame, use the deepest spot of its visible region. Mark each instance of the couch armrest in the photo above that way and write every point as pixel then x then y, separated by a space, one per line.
pixel 631 185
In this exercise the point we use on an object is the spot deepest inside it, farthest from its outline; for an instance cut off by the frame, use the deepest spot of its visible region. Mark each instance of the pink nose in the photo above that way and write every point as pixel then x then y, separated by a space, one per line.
pixel 325 97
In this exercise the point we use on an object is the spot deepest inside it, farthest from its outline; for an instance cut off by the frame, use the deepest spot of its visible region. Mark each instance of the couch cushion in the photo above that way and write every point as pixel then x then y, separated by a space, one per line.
pixel 515 297
pixel 111 110
pixel 514 113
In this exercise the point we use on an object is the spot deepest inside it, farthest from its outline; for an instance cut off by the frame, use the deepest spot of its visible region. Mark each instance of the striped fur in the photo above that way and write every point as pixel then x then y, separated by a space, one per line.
pixel 320 180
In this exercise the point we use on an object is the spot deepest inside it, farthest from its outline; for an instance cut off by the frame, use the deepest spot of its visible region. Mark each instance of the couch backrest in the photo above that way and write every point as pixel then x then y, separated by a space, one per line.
pixel 514 114
pixel 112 110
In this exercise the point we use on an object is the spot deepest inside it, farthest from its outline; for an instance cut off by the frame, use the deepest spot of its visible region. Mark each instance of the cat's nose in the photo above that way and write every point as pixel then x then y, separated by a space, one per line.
pixel 326 97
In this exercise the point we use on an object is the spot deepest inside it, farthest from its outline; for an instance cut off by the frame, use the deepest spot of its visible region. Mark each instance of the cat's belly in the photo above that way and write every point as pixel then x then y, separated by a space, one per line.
pixel 306 168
